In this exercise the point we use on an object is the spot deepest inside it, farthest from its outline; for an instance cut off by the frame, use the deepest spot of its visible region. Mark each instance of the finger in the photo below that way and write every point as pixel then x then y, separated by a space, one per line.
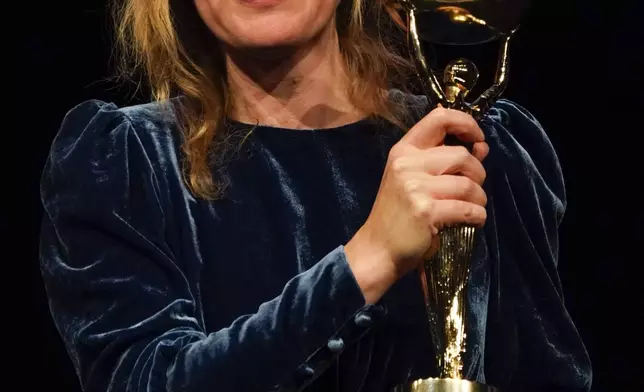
pixel 449 187
pixel 430 131
pixel 441 160
pixel 480 150
pixel 454 212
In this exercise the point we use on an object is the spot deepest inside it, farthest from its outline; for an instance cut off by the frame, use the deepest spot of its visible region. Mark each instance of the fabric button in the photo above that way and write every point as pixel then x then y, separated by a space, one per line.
pixel 306 371
pixel 335 345
pixel 380 311
pixel 363 320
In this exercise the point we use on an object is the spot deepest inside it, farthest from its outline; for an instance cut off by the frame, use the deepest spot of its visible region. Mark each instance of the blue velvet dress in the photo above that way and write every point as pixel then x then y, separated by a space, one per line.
pixel 155 290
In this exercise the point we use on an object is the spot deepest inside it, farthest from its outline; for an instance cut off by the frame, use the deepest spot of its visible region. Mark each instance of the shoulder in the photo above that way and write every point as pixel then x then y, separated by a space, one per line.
pixel 517 128
pixel 95 118
pixel 103 150
pixel 94 126
pixel 522 151
pixel 518 137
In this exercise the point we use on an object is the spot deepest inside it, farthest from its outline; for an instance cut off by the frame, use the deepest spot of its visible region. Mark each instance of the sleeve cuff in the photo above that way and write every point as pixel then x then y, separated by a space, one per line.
pixel 357 324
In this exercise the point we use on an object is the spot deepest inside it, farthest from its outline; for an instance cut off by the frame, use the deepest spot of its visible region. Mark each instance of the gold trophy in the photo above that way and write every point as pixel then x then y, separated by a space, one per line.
pixel 445 275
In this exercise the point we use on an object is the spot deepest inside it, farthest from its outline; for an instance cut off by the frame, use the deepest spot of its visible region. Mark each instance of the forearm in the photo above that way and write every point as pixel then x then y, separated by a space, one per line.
pixel 288 341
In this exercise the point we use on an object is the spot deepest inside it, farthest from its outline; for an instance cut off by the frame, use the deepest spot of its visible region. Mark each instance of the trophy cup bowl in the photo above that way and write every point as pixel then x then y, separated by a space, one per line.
pixel 445 274
pixel 466 22
pixel 459 22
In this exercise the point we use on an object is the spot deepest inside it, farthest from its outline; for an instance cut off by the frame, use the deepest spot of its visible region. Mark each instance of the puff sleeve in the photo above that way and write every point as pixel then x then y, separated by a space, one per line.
pixel 532 337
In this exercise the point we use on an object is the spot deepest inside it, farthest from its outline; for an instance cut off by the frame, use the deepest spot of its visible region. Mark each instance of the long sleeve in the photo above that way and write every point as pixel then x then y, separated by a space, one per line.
pixel 129 311
pixel 534 177
pixel 531 340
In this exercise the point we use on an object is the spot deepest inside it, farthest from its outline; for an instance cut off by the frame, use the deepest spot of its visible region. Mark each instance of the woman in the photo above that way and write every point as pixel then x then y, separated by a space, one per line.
pixel 260 230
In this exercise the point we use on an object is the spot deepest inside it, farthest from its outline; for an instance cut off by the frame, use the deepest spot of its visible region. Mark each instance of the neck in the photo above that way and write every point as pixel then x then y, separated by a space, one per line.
pixel 299 88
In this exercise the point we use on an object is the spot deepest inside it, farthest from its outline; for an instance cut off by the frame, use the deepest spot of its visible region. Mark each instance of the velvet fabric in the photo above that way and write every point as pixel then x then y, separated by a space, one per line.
pixel 154 290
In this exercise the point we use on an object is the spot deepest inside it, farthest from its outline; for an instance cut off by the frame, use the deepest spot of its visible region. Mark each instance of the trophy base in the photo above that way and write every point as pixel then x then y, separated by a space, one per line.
pixel 444 385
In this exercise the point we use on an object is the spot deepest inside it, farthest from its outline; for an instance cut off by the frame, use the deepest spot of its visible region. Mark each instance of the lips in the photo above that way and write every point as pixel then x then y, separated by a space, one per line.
pixel 260 3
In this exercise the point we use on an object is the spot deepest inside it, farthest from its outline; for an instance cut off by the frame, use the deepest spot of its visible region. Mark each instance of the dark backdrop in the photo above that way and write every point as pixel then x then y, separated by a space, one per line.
pixel 575 65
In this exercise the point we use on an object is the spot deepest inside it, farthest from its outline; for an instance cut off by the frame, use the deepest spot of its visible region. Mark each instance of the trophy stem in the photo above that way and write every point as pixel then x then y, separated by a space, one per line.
pixel 444 279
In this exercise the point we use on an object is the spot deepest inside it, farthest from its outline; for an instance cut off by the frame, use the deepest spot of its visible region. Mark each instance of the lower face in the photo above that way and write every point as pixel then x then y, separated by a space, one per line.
pixel 248 24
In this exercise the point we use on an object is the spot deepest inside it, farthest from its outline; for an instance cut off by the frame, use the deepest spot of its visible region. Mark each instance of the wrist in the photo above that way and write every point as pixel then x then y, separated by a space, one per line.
pixel 372 266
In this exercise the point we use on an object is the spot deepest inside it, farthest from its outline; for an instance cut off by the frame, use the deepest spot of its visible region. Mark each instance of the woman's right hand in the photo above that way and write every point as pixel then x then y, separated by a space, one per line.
pixel 426 186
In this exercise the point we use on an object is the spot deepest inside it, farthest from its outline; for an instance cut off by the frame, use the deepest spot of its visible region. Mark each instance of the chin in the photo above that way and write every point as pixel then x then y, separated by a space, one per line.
pixel 270 32
pixel 243 24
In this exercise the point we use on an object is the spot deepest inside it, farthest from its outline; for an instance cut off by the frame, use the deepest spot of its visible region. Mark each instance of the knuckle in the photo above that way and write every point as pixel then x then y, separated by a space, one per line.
pixel 412 185
pixel 399 151
pixel 399 164
pixel 394 153
pixel 422 209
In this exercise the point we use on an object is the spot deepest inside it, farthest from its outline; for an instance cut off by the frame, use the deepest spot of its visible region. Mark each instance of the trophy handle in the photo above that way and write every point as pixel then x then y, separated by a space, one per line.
pixel 483 103
pixel 430 84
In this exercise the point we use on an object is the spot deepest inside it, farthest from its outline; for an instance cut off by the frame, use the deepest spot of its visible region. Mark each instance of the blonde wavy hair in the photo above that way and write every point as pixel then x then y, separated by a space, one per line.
pixel 167 43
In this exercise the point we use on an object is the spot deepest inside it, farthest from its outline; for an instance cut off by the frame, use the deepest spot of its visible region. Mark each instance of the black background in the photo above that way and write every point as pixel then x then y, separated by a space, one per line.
pixel 576 66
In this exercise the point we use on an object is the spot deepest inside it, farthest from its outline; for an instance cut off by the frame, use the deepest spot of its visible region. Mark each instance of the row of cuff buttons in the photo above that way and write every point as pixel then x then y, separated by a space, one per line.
pixel 322 359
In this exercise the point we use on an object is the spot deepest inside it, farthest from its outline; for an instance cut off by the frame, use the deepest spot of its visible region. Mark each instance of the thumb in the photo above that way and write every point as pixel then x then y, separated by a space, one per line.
pixel 436 243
